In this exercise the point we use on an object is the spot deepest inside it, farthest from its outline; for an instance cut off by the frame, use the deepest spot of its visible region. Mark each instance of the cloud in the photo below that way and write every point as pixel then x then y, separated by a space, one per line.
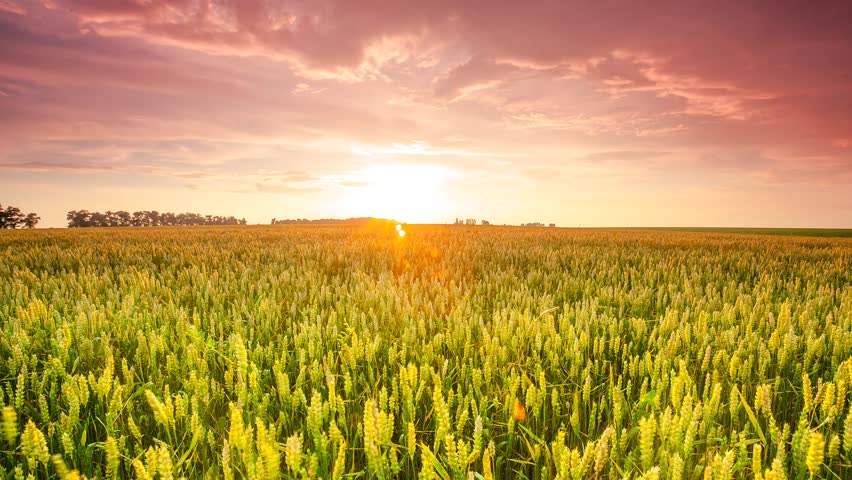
pixel 621 156
pixel 233 94
pixel 476 74
pixel 279 187
pixel 11 7
pixel 307 88
pixel 620 123
pixel 37 166
pixel 353 184
pixel 342 40
pixel 703 41
pixel 420 149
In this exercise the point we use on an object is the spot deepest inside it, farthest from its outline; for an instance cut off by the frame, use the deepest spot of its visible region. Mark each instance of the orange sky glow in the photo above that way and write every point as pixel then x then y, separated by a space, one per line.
pixel 723 113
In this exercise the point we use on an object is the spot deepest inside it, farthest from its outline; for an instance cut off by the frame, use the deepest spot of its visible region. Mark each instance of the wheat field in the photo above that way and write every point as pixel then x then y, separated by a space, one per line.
pixel 449 353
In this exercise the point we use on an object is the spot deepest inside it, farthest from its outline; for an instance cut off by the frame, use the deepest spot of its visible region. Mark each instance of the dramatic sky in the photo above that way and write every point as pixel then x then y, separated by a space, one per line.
pixel 717 113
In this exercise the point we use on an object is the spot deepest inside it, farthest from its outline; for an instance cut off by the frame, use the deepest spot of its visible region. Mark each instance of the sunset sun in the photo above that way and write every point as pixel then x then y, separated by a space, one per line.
pixel 411 193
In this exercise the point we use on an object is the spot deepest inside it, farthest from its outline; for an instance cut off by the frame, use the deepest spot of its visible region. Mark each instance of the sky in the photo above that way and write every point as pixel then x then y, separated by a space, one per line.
pixel 675 113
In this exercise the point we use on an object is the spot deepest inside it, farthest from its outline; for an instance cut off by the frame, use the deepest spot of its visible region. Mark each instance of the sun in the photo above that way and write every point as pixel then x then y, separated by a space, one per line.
pixel 409 193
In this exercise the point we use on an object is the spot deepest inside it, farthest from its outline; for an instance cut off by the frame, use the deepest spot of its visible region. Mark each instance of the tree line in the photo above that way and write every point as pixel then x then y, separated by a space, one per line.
pixel 145 218
pixel 13 217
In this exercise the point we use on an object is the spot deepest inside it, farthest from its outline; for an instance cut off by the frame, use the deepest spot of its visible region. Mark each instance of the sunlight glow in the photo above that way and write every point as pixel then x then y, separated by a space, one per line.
pixel 410 193
pixel 416 148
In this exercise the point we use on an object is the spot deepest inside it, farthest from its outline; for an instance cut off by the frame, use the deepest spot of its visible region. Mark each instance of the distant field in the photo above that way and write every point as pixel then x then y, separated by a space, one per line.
pixel 450 353
pixel 790 232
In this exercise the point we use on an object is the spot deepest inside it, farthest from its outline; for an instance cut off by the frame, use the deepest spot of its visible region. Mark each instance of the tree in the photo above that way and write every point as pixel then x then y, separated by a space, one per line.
pixel 123 218
pixel 138 219
pixel 168 219
pixel 98 219
pixel 12 217
pixel 144 218
pixel 78 218
pixel 31 220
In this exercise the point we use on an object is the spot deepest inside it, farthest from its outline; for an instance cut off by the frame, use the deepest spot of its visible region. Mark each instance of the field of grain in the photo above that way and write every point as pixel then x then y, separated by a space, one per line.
pixel 449 353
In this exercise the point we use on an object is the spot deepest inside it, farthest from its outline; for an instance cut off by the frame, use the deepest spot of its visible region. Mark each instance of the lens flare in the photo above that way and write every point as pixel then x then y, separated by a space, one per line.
pixel 518 412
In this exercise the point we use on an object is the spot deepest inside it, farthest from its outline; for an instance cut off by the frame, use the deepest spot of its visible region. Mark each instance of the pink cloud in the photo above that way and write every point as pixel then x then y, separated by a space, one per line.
pixel 475 74
pixel 11 7
pixel 759 89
